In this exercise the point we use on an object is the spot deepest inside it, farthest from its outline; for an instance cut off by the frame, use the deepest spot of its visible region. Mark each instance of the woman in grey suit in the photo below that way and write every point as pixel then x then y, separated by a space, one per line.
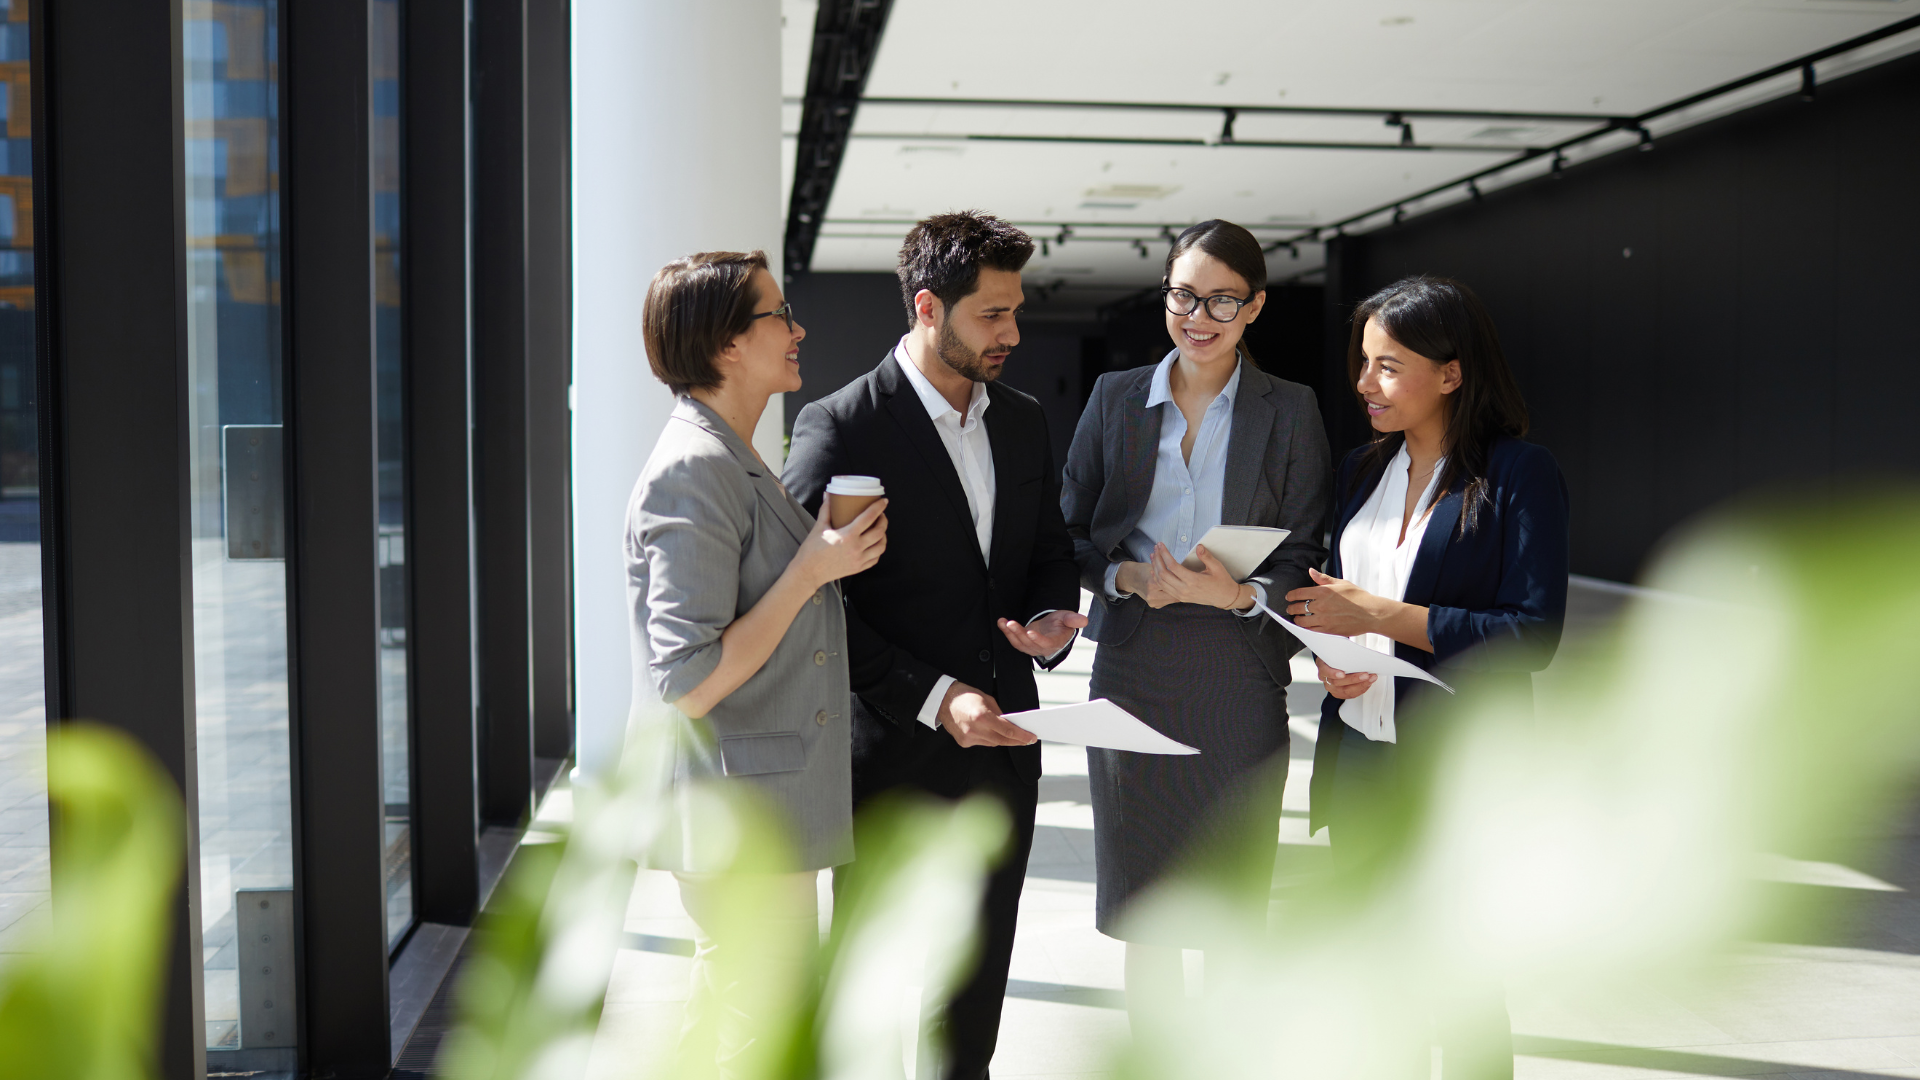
pixel 1163 454
pixel 739 630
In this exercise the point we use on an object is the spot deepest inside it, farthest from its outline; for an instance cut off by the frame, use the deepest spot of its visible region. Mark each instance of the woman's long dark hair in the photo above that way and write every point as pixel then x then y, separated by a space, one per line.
pixel 1442 320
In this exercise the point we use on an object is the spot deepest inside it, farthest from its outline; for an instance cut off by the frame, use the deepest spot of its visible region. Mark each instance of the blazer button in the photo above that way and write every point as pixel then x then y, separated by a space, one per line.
pixel 820 718
pixel 986 655
pixel 820 658
pixel 818 600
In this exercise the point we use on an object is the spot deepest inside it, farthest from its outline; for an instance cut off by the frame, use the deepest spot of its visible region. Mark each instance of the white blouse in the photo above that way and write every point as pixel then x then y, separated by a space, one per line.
pixel 1373 557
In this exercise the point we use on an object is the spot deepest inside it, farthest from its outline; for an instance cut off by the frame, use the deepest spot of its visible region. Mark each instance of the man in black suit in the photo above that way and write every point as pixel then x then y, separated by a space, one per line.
pixel 978 581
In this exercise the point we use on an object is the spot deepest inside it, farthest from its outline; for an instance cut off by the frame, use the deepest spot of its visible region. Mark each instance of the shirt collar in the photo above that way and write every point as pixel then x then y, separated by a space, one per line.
pixel 1162 390
pixel 936 403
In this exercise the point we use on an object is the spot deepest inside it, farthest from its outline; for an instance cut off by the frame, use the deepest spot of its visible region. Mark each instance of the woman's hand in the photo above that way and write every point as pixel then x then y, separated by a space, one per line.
pixel 1333 606
pixel 831 554
pixel 1342 685
pixel 1138 579
pixel 1211 586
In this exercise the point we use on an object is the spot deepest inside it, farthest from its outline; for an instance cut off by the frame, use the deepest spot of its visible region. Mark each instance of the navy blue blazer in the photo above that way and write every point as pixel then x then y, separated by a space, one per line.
pixel 1496 597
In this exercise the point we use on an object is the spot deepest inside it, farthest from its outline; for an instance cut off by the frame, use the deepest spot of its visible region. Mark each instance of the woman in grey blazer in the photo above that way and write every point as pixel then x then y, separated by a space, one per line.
pixel 740 632
pixel 1161 455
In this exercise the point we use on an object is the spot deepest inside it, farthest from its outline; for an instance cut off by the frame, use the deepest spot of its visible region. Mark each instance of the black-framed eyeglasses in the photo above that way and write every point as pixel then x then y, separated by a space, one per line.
pixel 785 311
pixel 1223 307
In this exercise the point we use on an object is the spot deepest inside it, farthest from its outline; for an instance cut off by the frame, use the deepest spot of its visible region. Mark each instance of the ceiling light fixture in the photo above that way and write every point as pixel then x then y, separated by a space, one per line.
pixel 1293 250
pixel 1166 233
pixel 1044 250
pixel 1646 137
pixel 1226 125
pixel 1808 85
pixel 1559 163
pixel 1065 232
pixel 1405 126
pixel 1141 247
pixel 1399 214
pixel 1473 190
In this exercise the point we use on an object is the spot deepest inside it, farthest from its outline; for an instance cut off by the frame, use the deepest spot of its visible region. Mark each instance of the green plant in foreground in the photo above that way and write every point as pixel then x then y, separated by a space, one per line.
pixel 530 997
pixel 86 1005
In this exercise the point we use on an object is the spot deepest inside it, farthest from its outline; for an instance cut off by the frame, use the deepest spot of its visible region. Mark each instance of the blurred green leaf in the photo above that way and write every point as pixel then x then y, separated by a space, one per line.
pixel 85 1006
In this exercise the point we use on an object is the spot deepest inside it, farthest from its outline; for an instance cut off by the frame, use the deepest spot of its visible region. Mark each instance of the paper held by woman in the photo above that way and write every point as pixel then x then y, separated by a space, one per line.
pixel 1097 723
pixel 1349 655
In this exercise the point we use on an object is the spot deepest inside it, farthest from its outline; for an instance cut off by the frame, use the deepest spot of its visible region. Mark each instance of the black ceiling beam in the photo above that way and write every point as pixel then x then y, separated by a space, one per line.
pixel 846 38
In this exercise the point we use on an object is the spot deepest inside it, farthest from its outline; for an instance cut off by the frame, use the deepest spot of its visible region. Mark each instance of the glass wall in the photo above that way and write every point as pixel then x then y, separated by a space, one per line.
pixel 392 541
pixel 23 717
pixel 239 570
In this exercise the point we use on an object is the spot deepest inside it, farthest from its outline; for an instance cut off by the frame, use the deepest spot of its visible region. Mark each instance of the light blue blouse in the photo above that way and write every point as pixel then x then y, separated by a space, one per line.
pixel 1185 500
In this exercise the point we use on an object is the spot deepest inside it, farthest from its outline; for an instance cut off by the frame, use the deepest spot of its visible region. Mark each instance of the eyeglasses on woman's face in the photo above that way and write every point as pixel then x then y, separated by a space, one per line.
pixel 1223 307
pixel 785 311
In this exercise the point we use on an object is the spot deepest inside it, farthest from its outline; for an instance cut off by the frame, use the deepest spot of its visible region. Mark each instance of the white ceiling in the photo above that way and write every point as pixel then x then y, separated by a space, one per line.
pixel 1574 56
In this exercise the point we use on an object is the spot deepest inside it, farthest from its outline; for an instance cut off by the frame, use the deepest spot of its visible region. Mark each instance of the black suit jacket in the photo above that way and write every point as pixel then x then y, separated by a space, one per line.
pixel 929 607
pixel 1496 597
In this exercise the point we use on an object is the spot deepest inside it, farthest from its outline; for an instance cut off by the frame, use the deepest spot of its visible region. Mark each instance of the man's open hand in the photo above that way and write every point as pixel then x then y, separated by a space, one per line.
pixel 1045 635
pixel 973 719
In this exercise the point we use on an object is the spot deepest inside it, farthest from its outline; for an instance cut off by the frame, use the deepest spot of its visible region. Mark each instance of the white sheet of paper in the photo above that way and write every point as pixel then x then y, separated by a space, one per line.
pixel 1350 656
pixel 1240 548
pixel 1097 723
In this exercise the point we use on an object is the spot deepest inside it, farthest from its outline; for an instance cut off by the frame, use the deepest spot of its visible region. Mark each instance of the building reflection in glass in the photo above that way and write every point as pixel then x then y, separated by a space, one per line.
pixel 239 573
pixel 23 717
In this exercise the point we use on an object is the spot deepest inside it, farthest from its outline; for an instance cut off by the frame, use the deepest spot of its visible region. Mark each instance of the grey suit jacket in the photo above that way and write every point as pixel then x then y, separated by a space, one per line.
pixel 709 530
pixel 1279 474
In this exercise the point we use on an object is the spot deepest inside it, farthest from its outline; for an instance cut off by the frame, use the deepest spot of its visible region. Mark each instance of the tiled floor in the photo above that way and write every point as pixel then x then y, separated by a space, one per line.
pixel 1825 1008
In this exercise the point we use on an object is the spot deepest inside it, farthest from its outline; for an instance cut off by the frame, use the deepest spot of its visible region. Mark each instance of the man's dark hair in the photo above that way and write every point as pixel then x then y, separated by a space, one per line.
pixel 694 307
pixel 945 253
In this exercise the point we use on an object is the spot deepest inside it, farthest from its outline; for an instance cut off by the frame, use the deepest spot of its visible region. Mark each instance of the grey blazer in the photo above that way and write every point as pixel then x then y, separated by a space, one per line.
pixel 709 530
pixel 1279 474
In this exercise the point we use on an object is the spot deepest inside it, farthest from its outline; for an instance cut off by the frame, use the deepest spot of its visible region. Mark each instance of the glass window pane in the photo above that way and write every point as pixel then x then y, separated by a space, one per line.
pixel 239 570
pixel 23 716
pixel 392 540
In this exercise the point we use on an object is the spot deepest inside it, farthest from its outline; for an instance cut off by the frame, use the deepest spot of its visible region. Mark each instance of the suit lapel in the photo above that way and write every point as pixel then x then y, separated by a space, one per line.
pixel 1006 469
pixel 911 414
pixel 1433 546
pixel 764 484
pixel 1246 445
pixel 1139 448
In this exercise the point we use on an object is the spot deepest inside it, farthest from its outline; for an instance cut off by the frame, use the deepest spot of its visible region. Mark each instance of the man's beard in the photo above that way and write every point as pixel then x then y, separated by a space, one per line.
pixel 956 355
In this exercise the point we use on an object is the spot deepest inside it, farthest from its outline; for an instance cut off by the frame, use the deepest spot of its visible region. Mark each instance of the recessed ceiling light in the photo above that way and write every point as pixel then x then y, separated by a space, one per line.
pixel 1132 191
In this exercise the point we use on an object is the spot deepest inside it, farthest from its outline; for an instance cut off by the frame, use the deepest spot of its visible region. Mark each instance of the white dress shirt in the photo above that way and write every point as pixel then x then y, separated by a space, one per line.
pixel 1373 557
pixel 1185 499
pixel 965 438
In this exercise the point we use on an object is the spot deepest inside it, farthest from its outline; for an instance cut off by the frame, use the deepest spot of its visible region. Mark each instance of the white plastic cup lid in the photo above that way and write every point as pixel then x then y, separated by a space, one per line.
pixel 855 485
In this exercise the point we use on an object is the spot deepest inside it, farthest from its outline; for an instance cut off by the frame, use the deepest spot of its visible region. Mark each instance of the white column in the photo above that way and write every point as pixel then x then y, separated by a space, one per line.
pixel 676 149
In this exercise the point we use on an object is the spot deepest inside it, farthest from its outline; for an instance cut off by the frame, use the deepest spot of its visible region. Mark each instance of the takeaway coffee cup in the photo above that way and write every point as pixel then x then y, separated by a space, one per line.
pixel 848 495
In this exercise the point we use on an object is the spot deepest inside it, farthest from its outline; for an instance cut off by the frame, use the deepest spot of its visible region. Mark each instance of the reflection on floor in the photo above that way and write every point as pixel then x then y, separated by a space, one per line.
pixel 23 752
pixel 1843 1006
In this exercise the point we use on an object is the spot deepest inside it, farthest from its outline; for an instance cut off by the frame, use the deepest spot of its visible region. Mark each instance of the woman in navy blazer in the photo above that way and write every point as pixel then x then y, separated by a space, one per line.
pixel 1450 548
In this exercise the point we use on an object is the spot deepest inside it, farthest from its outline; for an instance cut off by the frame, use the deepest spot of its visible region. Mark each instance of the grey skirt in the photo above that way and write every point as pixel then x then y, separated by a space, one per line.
pixel 1212 817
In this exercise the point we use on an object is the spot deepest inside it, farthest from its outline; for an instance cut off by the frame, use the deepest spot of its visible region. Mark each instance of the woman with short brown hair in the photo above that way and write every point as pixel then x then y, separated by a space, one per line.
pixel 739 634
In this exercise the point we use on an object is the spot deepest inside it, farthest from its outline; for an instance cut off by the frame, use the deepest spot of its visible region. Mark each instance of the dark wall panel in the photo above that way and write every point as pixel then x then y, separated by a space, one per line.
pixel 549 374
pixel 851 320
pixel 500 409
pixel 1684 321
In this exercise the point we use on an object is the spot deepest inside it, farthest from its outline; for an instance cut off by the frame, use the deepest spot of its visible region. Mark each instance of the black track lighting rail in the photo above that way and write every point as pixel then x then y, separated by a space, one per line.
pixel 1636 124
pixel 1243 110
pixel 1268 144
